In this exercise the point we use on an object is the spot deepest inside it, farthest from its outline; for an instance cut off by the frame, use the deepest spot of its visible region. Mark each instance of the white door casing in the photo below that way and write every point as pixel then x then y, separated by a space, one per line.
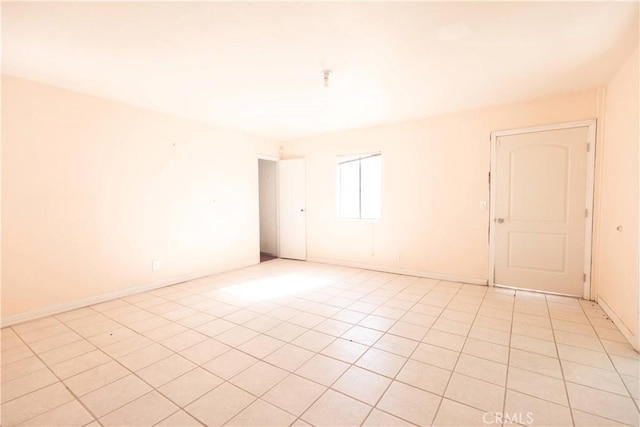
pixel 292 209
pixel 541 208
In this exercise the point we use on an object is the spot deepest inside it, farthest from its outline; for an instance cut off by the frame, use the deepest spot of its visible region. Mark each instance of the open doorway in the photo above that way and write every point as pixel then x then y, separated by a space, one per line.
pixel 268 188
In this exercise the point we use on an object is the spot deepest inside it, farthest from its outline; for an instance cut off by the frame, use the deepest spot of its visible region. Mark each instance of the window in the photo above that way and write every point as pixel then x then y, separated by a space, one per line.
pixel 359 186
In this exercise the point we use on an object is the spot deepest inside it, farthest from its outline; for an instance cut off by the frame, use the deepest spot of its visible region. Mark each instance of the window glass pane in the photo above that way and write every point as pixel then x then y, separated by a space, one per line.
pixel 349 187
pixel 359 186
pixel 370 187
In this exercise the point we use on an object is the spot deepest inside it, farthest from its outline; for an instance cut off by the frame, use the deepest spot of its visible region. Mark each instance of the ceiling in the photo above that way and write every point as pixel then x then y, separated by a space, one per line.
pixel 257 66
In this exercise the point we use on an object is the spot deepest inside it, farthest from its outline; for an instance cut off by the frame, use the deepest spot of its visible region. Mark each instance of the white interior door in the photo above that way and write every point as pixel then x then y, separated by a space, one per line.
pixel 540 210
pixel 293 223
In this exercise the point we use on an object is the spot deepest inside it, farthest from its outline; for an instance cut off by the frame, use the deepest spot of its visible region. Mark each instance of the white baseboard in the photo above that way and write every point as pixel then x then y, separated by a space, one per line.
pixel 60 308
pixel 417 273
pixel 616 321
pixel 97 299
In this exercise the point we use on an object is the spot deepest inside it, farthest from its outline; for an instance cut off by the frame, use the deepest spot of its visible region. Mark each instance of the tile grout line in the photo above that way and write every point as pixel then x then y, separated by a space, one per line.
pixel 299 417
pixel 564 381
pixel 443 309
pixel 62 383
pixel 331 296
pixel 289 373
pixel 99 349
pixel 506 377
pixel 334 338
pixel 197 366
pixel 635 402
pixel 353 364
pixel 375 406
pixel 453 369
pixel 129 370
pixel 357 359
pixel 562 372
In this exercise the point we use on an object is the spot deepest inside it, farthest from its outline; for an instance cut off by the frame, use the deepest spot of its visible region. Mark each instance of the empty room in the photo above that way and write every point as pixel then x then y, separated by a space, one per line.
pixel 320 213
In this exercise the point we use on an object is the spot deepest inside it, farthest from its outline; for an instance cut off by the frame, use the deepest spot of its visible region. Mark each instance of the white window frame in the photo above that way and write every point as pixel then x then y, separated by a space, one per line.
pixel 354 158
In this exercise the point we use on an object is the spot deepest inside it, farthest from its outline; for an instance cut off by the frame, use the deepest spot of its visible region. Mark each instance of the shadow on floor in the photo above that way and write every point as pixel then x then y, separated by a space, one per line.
pixel 266 257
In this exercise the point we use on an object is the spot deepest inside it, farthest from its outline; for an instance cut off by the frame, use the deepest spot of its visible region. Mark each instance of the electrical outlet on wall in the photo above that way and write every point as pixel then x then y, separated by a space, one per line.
pixel 155 265
pixel 483 205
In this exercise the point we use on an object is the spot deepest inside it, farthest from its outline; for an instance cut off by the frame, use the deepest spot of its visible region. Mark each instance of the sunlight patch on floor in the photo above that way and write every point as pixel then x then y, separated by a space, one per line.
pixel 275 287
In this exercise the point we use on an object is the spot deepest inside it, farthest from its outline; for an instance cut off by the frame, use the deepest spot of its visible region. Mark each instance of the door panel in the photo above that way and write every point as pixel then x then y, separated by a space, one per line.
pixel 526 179
pixel 540 210
pixel 538 251
pixel 293 223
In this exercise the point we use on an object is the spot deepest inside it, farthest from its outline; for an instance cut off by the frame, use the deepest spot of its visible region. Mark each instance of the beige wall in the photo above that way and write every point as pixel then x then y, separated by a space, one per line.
pixel 434 177
pixel 93 191
pixel 616 264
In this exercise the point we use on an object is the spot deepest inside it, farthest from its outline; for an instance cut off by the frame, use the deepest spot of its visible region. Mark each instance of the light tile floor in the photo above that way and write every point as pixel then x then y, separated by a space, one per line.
pixel 295 343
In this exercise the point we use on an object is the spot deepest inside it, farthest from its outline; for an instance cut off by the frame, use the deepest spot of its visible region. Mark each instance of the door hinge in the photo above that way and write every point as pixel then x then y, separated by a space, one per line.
pixel 584 277
pixel 489 178
pixel 586 213
pixel 588 147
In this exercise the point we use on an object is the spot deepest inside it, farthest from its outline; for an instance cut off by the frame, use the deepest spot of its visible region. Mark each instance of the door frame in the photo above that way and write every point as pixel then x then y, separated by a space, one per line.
pixel 591 140
pixel 276 160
